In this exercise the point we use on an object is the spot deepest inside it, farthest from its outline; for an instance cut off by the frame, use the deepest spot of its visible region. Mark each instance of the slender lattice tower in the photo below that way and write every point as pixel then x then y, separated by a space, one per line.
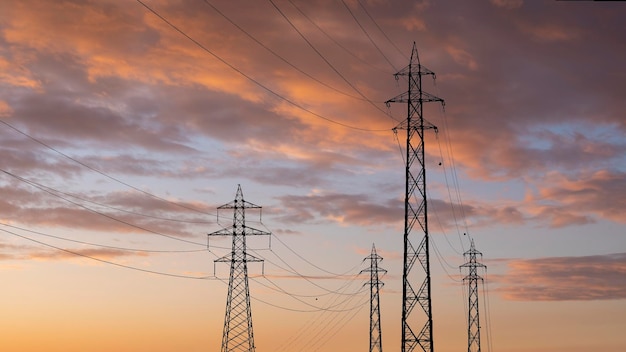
pixel 415 208
pixel 376 341
pixel 472 278
pixel 238 334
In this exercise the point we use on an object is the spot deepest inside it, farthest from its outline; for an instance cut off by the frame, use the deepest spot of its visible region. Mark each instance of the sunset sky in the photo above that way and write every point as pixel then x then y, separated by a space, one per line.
pixel 125 124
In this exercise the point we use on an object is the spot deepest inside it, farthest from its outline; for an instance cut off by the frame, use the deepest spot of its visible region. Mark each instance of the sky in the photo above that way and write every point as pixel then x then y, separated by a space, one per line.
pixel 125 124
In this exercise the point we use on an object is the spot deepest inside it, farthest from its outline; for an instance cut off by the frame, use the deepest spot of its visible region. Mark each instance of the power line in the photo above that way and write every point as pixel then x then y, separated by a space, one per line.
pixel 328 62
pixel 319 320
pixel 322 336
pixel 380 29
pixel 145 270
pixel 335 330
pixel 318 325
pixel 44 189
pixel 440 258
pixel 454 173
pixel 261 85
pixel 98 171
pixel 105 261
pixel 334 40
pixel 329 308
pixel 280 56
pixel 124 210
pixel 306 260
pixel 309 295
pixel 367 34
pixel 443 231
pixel 452 208
pixel 118 181
pixel 488 311
pixel 295 272
pixel 273 304
pixel 102 245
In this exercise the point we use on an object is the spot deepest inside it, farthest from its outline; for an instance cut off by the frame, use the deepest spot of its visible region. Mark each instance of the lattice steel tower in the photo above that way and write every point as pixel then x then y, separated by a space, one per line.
pixel 415 211
pixel 238 334
pixel 376 341
pixel 472 278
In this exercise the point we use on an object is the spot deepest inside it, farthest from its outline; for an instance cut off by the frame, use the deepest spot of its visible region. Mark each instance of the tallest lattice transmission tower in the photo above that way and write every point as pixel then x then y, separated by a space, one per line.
pixel 417 327
pixel 238 335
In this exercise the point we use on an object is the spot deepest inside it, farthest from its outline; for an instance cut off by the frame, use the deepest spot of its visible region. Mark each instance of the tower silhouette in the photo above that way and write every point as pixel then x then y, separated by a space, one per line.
pixel 376 342
pixel 238 334
pixel 415 210
pixel 472 278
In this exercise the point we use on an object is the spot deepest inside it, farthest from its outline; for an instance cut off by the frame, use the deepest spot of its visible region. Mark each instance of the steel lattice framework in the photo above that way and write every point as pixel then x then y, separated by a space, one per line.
pixel 472 278
pixel 238 335
pixel 376 341
pixel 415 210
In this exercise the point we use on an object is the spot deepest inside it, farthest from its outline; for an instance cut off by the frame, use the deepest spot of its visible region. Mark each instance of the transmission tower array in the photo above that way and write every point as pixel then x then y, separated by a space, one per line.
pixel 415 209
pixel 238 335
pixel 472 278
pixel 376 341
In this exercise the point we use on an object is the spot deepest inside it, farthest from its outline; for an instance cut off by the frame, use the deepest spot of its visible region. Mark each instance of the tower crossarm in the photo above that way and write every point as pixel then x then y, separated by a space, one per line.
pixel 232 231
pixel 415 67
pixel 405 97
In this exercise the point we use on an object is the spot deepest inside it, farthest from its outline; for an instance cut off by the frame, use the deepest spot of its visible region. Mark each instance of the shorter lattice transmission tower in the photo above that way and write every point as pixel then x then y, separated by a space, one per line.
pixel 238 335
pixel 472 278
pixel 376 342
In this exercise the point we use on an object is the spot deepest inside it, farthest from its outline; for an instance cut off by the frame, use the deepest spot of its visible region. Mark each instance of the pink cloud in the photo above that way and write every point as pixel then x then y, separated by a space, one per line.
pixel 27 252
pixel 341 208
pixel 598 277
pixel 99 253
pixel 41 209
pixel 575 199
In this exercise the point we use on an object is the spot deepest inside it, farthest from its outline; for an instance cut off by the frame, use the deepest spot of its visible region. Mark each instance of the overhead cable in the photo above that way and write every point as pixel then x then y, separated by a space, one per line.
pixel 46 190
pixel 368 36
pixel 103 260
pixel 330 37
pixel 381 30
pixel 291 269
pixel 250 78
pixel 308 261
pixel 103 245
pixel 329 63
pixel 99 171
pixel 280 57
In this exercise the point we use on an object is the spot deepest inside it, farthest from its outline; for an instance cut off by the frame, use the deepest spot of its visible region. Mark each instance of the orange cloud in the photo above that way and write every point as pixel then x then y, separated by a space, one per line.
pixel 462 57
pixel 12 73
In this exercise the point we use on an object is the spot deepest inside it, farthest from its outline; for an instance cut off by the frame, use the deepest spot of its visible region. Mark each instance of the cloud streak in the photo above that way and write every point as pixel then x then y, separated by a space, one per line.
pixel 586 278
